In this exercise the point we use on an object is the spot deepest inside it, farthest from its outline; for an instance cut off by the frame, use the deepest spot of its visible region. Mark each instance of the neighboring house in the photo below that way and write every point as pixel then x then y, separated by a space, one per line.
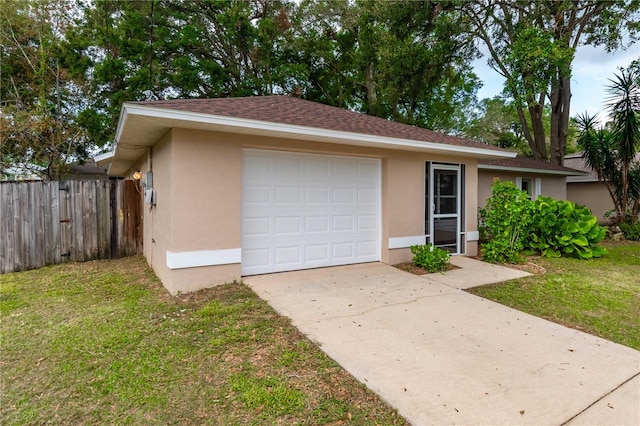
pixel 586 190
pixel 20 173
pixel 245 186
pixel 532 176
pixel 87 170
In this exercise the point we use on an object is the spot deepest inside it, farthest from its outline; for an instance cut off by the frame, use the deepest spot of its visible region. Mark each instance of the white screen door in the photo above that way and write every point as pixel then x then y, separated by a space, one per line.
pixel 445 201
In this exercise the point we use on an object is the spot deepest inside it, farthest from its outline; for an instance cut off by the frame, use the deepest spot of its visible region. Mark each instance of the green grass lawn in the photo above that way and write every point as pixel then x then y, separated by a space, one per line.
pixel 102 342
pixel 599 296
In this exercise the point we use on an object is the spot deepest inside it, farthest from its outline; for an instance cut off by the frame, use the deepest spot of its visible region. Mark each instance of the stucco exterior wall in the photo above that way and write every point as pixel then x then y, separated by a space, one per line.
pixel 551 185
pixel 156 242
pixel 198 179
pixel 554 187
pixel 591 194
pixel 207 188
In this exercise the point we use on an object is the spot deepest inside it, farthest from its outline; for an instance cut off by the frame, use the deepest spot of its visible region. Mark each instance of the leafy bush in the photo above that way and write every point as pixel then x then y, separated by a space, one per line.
pixel 560 227
pixel 504 222
pixel 631 231
pixel 431 258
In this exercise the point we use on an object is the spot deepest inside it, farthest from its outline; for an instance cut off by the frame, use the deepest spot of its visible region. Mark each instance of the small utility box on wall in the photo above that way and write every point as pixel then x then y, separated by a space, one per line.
pixel 149 192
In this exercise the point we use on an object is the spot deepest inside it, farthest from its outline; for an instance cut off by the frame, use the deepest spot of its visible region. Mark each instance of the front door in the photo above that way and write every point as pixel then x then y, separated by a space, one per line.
pixel 445 202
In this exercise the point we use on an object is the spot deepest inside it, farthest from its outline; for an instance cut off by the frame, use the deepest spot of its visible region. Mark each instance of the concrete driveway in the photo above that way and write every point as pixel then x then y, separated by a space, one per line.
pixel 443 356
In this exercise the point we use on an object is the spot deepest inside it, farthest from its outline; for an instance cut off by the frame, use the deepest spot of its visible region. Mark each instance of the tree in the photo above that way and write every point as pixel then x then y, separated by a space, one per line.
pixel 404 60
pixel 496 123
pixel 614 154
pixel 532 45
pixel 38 130
pixel 142 50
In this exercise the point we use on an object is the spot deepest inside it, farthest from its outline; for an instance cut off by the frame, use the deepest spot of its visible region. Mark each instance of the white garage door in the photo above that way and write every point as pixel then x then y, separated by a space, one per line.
pixel 303 211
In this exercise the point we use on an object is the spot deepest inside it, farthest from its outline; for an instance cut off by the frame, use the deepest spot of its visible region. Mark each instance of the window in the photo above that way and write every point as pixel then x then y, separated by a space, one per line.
pixel 526 185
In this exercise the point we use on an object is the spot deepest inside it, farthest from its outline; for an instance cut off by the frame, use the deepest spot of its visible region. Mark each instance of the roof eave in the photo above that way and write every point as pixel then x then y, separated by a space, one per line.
pixel 158 120
pixel 530 170
pixel 583 179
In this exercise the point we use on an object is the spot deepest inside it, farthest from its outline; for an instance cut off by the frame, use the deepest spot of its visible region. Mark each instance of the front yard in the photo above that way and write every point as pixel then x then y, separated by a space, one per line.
pixel 599 296
pixel 102 342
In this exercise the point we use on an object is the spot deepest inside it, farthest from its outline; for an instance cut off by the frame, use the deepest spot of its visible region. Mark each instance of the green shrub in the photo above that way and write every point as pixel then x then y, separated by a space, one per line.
pixel 631 231
pixel 431 258
pixel 560 227
pixel 504 221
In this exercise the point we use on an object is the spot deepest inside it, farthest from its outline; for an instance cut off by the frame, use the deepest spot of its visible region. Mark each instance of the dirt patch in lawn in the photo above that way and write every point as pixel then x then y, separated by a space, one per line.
pixel 530 267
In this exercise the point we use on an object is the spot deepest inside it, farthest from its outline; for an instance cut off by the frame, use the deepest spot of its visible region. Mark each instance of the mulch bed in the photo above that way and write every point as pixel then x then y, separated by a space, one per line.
pixel 416 270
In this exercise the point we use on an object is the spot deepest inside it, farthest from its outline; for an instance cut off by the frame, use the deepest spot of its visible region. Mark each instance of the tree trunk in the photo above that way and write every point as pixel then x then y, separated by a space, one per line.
pixel 560 99
pixel 370 84
pixel 624 197
pixel 539 145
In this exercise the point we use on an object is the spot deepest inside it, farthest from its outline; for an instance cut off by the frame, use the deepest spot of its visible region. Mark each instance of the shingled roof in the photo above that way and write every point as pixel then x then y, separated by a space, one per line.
pixel 527 165
pixel 141 124
pixel 300 112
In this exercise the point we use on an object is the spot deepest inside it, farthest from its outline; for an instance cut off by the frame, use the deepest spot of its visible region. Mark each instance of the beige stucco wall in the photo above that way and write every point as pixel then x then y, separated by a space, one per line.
pixel 551 185
pixel 155 244
pixel 198 179
pixel 591 194
pixel 554 187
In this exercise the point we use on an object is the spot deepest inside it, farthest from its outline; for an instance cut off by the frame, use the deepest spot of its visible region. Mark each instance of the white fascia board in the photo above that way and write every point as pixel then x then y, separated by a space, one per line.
pixel 105 156
pixel 121 121
pixel 529 170
pixel 234 122
pixel 580 179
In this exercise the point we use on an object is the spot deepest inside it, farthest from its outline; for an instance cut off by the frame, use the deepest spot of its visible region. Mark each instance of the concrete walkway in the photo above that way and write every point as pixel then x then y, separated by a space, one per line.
pixel 443 356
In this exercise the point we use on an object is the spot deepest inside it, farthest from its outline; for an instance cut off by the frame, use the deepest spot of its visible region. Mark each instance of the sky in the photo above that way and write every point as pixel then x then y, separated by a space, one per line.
pixel 592 69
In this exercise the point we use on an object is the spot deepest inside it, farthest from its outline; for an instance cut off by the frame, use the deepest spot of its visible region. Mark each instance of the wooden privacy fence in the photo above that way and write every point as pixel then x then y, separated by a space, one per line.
pixel 43 223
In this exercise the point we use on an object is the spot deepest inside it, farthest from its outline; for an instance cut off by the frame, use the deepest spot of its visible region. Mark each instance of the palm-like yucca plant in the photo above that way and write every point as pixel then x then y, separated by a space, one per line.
pixel 612 153
pixel 624 104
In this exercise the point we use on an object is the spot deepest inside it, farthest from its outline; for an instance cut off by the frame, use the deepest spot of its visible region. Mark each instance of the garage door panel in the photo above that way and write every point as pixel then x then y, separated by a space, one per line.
pixel 316 195
pixel 316 224
pixel 256 166
pixel 367 196
pixel 286 167
pixel 256 194
pixel 288 225
pixel 288 195
pixel 316 253
pixel 285 256
pixel 368 170
pixel 366 248
pixel 317 168
pixel 306 211
pixel 342 223
pixel 342 195
pixel 256 226
pixel 344 168
pixel 367 222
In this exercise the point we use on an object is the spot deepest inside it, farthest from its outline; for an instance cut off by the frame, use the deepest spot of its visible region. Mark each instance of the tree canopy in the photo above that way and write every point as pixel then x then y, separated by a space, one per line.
pixel 66 68
pixel 532 45
pixel 39 98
